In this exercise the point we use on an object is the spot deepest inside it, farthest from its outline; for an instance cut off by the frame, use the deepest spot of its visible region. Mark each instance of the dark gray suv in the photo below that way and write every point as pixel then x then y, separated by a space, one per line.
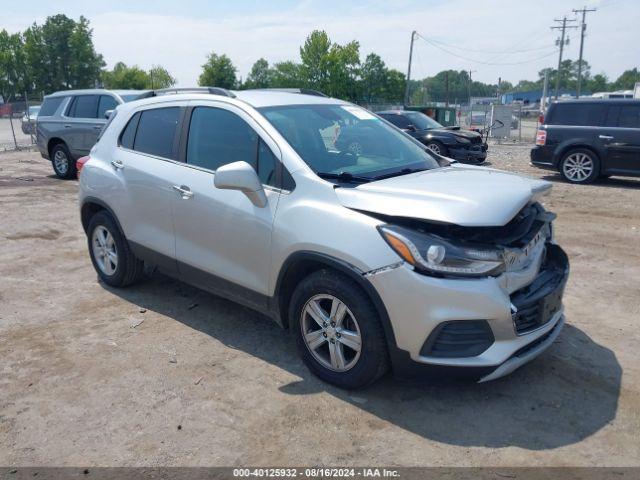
pixel 69 123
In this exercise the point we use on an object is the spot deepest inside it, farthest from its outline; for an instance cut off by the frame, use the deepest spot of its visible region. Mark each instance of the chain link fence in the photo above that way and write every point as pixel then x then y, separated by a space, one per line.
pixel 17 123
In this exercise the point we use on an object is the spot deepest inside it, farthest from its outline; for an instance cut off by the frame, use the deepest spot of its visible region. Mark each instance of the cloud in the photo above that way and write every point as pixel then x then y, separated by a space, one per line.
pixel 181 38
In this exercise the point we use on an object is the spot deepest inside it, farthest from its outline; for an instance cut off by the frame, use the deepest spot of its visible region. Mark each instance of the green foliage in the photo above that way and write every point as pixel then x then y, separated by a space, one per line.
pixel 259 76
pixel 135 78
pixel 218 71
pixel 286 75
pixel 627 80
pixel 13 74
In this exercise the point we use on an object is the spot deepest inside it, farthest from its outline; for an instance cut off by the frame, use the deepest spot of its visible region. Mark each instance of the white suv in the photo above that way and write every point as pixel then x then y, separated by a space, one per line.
pixel 375 252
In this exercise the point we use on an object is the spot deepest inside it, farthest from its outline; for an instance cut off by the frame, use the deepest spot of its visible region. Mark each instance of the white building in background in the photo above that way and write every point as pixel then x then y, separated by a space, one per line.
pixel 616 94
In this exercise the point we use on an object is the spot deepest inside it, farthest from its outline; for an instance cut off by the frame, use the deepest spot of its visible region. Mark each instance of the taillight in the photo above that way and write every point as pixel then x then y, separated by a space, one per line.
pixel 80 163
pixel 541 119
pixel 541 137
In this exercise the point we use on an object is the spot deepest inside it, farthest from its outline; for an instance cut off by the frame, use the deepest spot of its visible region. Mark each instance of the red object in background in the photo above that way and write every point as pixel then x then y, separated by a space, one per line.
pixel 5 109
pixel 80 163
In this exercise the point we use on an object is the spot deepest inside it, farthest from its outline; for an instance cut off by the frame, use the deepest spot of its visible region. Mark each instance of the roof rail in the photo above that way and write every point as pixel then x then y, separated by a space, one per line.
pixel 303 91
pixel 211 90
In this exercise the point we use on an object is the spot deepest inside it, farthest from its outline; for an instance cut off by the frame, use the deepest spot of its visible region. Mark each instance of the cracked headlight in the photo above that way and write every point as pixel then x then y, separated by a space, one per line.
pixel 433 255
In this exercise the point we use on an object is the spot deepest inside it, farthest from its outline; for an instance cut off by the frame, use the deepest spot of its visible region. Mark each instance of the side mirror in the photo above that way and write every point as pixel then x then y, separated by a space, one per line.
pixel 411 128
pixel 107 114
pixel 241 176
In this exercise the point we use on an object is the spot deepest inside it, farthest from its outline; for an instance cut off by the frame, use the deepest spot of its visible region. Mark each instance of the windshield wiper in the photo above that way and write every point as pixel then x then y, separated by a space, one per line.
pixel 404 171
pixel 345 177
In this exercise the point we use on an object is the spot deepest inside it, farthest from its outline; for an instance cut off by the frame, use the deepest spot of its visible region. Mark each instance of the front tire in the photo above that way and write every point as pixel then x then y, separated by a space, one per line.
pixel 110 253
pixel 338 330
pixel 437 148
pixel 63 164
pixel 580 166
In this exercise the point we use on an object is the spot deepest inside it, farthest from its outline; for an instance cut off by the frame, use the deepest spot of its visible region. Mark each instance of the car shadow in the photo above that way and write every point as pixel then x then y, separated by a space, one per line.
pixel 567 394
pixel 612 182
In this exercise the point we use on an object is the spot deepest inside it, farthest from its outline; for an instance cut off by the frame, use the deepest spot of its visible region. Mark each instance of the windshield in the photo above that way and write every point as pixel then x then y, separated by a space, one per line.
pixel 347 140
pixel 421 121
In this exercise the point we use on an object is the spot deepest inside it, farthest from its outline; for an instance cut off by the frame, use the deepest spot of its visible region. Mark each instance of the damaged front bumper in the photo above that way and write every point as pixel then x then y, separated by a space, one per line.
pixel 460 310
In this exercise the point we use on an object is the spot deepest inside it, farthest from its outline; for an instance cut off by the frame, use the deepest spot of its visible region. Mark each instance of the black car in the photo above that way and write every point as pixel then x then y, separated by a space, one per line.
pixel 463 145
pixel 587 139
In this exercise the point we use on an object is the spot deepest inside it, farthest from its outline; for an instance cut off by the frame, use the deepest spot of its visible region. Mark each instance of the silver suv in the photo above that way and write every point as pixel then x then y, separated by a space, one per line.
pixel 386 258
pixel 70 121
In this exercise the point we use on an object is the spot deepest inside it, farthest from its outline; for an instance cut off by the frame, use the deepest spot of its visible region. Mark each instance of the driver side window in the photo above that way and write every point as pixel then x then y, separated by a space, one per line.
pixel 218 137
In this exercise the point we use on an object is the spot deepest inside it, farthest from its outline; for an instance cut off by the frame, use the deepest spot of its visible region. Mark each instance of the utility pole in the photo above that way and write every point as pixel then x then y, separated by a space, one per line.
pixel 406 88
pixel 446 88
pixel 469 85
pixel 563 28
pixel 545 91
pixel 583 28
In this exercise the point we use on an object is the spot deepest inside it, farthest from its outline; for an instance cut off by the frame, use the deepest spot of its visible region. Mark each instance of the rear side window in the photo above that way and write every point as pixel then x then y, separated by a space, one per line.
pixel 156 132
pixel 629 116
pixel 84 106
pixel 218 137
pixel 129 133
pixel 577 114
pixel 106 103
pixel 399 121
pixel 50 106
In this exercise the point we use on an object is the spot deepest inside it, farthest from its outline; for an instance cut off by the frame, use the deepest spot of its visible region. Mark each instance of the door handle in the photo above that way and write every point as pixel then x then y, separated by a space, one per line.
pixel 67 126
pixel 605 137
pixel 97 127
pixel 117 164
pixel 184 191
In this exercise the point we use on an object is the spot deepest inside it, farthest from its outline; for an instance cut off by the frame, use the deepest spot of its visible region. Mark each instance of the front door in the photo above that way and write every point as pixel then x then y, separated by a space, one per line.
pixel 621 139
pixel 223 241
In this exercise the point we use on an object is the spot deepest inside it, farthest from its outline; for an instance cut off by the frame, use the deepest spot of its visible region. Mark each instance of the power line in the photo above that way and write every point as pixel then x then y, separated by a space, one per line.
pixel 490 52
pixel 583 28
pixel 469 59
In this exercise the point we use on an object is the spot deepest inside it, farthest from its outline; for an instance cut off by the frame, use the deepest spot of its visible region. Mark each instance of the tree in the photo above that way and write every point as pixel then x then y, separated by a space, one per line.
pixel 259 76
pixel 218 71
pixel 394 86
pixel 315 60
pixel 287 75
pixel 124 77
pixel 374 76
pixel 597 83
pixel 13 74
pixel 627 80
pixel 60 54
pixel 159 77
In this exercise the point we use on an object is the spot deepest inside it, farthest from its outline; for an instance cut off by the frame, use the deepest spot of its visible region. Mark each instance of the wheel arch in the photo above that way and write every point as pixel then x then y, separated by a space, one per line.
pixel 301 264
pixel 563 150
pixel 52 142
pixel 90 207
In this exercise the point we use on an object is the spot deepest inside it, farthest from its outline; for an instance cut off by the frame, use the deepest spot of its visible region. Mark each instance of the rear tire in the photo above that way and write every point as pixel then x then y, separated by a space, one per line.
pixel 350 350
pixel 580 165
pixel 63 164
pixel 110 253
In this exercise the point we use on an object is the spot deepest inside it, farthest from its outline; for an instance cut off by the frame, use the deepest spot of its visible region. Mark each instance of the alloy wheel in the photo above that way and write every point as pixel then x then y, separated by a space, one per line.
pixel 435 148
pixel 61 162
pixel 578 167
pixel 331 332
pixel 104 250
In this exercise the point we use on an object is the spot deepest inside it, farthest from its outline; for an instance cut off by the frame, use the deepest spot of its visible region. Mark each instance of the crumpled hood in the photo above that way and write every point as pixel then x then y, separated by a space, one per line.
pixel 462 195
pixel 468 134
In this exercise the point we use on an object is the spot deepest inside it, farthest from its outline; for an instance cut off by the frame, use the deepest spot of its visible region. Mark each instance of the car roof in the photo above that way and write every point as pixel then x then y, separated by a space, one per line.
pixel 95 91
pixel 257 98
pixel 634 101
pixel 395 112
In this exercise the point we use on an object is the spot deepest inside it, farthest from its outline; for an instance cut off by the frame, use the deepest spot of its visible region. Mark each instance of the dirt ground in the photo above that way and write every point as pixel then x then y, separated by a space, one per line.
pixel 162 374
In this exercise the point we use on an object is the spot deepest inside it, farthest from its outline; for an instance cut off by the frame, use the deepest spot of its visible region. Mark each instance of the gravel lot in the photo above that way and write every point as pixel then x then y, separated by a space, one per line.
pixel 162 374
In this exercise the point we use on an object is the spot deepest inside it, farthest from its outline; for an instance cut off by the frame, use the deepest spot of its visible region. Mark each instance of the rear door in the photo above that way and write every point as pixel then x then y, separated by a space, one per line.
pixel 145 161
pixel 223 241
pixel 82 124
pixel 622 139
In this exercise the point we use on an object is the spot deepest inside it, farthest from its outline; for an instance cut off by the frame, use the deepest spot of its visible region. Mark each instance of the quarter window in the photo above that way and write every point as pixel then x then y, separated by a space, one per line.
pixel 84 106
pixel 156 132
pixel 129 133
pixel 629 116
pixel 106 103
pixel 50 106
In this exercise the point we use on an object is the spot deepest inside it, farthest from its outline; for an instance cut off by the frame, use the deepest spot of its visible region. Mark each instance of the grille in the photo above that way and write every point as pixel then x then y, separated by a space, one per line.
pixel 458 338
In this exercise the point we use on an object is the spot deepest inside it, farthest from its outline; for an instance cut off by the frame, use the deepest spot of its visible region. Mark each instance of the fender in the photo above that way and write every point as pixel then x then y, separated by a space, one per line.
pixel 104 205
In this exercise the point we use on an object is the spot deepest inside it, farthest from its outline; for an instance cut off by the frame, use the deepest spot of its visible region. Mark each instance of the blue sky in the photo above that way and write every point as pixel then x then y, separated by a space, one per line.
pixel 471 34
